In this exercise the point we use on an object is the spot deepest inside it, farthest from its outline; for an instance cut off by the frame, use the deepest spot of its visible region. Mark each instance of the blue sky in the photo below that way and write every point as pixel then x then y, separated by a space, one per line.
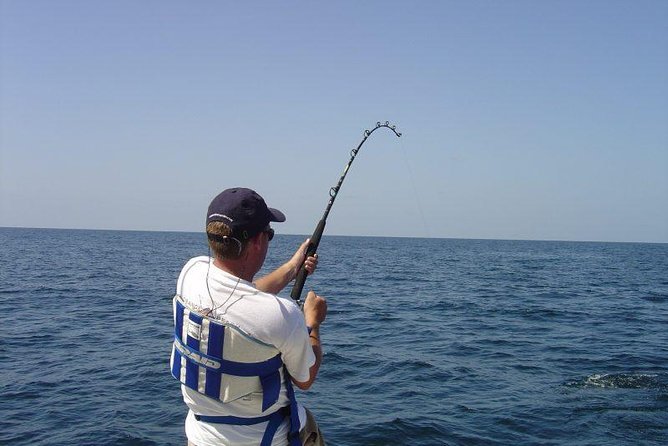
pixel 520 119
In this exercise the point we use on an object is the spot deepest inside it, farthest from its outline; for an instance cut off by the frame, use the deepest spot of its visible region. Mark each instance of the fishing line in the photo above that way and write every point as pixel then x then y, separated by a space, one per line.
pixel 415 190
pixel 320 228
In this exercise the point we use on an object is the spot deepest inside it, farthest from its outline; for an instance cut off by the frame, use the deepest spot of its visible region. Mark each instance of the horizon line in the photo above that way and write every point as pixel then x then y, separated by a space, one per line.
pixel 347 235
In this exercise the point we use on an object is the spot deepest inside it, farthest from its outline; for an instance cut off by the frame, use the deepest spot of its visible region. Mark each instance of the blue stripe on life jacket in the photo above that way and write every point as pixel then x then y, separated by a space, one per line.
pixel 215 349
pixel 192 369
pixel 271 389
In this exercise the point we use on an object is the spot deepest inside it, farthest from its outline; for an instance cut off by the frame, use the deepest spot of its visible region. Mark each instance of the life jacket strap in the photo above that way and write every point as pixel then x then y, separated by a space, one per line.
pixel 241 421
pixel 267 371
pixel 225 366
pixel 293 435
pixel 275 419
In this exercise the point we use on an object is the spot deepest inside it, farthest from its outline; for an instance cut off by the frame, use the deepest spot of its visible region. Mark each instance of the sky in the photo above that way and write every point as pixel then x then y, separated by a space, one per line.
pixel 540 120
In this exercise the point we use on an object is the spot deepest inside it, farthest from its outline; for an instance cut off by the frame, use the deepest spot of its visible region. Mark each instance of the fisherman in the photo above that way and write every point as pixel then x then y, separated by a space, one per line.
pixel 239 348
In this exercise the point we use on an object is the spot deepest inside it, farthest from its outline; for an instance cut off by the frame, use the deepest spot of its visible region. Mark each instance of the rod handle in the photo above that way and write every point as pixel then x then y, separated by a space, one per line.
pixel 311 249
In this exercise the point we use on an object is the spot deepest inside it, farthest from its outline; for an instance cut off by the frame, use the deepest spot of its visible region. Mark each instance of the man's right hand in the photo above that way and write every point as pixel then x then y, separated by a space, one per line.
pixel 315 310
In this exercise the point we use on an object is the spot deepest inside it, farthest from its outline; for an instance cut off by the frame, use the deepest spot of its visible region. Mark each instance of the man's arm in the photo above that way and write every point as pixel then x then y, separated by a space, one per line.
pixel 276 280
pixel 315 312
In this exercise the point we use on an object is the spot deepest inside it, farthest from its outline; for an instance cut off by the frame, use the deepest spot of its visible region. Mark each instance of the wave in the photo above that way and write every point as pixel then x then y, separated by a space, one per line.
pixel 656 297
pixel 621 381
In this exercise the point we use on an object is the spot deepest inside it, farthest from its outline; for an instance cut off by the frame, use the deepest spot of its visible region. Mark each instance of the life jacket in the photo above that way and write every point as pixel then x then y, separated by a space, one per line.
pixel 222 362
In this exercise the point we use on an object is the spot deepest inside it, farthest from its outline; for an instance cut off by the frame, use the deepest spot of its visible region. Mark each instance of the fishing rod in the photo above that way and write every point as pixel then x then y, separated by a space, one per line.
pixel 320 228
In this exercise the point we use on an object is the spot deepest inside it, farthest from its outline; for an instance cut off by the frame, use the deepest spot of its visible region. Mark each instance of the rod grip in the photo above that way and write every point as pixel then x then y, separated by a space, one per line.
pixel 311 249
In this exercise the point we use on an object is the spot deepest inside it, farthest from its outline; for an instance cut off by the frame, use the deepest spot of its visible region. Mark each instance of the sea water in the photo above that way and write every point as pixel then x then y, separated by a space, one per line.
pixel 427 341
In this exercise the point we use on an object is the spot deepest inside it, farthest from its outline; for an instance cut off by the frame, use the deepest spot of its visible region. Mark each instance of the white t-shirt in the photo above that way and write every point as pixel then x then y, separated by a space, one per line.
pixel 270 319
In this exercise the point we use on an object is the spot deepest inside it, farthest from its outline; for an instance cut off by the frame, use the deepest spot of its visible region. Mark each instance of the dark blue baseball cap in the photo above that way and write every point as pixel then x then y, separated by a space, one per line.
pixel 244 211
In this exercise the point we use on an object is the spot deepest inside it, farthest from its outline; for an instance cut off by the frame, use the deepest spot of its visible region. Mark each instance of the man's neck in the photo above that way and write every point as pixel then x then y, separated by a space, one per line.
pixel 237 268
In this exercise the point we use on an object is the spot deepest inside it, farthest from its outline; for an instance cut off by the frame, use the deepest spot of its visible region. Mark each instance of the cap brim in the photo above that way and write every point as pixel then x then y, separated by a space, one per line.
pixel 276 215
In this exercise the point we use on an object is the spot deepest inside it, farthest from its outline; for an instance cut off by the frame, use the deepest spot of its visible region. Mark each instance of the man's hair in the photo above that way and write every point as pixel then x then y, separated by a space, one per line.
pixel 223 245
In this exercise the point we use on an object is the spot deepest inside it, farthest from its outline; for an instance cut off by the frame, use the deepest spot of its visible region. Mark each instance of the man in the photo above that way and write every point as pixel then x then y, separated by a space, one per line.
pixel 239 348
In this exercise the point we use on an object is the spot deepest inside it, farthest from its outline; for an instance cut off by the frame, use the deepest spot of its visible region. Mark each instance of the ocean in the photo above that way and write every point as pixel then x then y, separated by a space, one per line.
pixel 427 341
